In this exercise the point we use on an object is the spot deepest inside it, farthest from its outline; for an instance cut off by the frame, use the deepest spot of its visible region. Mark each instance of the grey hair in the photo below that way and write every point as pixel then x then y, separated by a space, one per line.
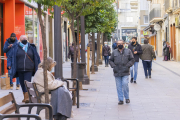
pixel 50 62
pixel 121 41
pixel 22 36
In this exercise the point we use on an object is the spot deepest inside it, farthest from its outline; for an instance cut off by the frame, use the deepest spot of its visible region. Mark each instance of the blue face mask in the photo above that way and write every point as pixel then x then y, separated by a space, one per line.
pixel 105 44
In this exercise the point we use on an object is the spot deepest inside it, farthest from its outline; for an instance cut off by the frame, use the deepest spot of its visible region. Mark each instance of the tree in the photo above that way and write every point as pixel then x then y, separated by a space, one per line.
pixel 46 4
pixel 102 20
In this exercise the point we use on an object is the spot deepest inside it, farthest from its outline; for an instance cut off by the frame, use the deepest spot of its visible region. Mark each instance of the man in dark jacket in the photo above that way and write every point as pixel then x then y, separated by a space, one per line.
pixel 106 52
pixel 8 47
pixel 147 57
pixel 121 60
pixel 137 51
pixel 71 53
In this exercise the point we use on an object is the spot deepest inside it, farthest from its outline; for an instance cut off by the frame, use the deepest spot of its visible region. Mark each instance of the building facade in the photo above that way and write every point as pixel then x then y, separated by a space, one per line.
pixel 20 17
pixel 128 19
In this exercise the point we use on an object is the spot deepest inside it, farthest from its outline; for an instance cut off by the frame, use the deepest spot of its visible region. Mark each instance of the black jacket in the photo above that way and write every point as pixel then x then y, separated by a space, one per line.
pixel 23 61
pixel 106 51
pixel 137 48
pixel 121 62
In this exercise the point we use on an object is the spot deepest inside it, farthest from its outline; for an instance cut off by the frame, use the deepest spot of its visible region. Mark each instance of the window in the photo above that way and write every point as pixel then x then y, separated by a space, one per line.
pixel 129 19
pixel 146 19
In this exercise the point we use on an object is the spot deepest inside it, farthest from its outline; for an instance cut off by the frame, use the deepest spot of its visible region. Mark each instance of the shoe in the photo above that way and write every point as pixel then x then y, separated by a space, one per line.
pixel 127 101
pixel 149 76
pixel 135 82
pixel 17 87
pixel 11 86
pixel 26 97
pixel 120 102
pixel 146 77
pixel 132 80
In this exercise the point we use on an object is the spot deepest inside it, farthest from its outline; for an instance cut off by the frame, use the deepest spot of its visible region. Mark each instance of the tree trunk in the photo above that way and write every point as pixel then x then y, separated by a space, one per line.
pixel 93 53
pixel 75 58
pixel 98 48
pixel 78 39
pixel 44 58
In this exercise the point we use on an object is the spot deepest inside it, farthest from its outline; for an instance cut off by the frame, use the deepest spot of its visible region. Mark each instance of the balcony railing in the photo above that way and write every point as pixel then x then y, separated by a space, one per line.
pixel 169 5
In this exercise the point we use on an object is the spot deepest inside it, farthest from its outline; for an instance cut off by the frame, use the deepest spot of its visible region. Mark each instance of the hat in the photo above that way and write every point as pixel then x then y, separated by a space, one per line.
pixel 13 35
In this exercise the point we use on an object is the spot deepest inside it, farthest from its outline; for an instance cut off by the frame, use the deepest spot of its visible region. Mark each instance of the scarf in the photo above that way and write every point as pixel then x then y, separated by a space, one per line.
pixel 24 47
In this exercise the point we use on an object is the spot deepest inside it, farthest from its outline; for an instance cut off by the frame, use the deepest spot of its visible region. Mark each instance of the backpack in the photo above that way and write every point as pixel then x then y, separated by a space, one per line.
pixel 114 46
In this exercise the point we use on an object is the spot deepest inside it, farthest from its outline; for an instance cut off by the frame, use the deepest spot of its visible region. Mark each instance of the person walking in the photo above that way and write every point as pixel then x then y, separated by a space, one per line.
pixel 147 57
pixel 121 60
pixel 166 51
pixel 106 53
pixel 114 46
pixel 71 53
pixel 10 42
pixel 136 49
pixel 169 55
pixel 23 61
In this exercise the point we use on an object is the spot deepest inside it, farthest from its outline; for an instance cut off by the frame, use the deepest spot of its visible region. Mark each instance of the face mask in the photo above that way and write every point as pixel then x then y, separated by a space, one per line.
pixel 24 42
pixel 133 42
pixel 12 40
pixel 120 46
pixel 106 44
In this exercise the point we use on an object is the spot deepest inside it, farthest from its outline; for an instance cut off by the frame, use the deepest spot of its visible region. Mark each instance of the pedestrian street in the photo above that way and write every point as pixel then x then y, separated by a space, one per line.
pixel 151 99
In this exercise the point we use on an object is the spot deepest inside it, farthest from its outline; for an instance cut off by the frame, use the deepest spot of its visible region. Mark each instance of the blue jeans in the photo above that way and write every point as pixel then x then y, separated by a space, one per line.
pixel 135 66
pixel 122 87
pixel 106 58
pixel 24 75
pixel 147 67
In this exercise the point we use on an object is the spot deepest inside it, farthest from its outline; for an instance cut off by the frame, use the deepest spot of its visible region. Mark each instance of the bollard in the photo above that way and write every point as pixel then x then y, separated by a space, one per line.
pixel 88 56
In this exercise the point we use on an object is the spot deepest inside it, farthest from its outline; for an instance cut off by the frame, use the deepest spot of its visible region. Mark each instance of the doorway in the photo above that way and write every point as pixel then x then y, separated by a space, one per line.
pixel 173 41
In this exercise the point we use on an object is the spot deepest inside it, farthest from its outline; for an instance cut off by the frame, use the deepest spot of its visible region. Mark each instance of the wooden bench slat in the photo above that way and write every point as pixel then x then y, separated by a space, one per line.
pixel 32 92
pixel 6 99
pixel 8 110
pixel 29 85
pixel 13 119
pixel 34 100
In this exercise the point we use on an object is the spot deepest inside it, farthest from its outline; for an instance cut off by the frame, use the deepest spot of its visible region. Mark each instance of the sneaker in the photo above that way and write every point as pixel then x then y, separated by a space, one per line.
pixel 127 101
pixel 132 80
pixel 17 87
pixel 149 76
pixel 135 82
pixel 11 86
pixel 146 77
pixel 120 102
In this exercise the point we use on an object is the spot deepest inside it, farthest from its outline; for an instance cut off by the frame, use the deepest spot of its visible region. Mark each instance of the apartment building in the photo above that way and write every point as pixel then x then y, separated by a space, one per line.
pixel 128 17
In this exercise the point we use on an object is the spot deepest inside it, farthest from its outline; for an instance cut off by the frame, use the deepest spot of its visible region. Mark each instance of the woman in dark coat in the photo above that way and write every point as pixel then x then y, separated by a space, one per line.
pixel 165 51
pixel 23 61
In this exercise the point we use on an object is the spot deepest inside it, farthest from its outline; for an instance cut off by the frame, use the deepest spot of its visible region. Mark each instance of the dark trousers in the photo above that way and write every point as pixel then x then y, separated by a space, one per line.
pixel 169 56
pixel 147 67
pixel 24 75
pixel 106 58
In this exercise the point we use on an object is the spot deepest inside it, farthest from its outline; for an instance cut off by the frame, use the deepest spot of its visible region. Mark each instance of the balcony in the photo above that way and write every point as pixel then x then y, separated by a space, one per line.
pixel 134 7
pixel 155 14
pixel 176 9
pixel 134 3
pixel 169 5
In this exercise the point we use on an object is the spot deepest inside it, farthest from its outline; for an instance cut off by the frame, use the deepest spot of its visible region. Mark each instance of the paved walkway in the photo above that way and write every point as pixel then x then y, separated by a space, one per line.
pixel 151 99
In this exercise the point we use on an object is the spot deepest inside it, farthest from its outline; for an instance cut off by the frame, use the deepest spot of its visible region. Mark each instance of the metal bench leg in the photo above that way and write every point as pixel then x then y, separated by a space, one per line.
pixel 38 110
pixel 77 90
pixel 29 112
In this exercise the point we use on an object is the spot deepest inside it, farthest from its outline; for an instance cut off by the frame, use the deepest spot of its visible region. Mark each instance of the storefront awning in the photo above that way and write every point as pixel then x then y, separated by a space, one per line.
pixel 155 20
pixel 148 27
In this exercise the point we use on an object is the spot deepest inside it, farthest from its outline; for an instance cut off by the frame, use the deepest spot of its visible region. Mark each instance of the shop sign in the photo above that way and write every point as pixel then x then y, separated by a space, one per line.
pixel 157 27
pixel 145 33
pixel 177 21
